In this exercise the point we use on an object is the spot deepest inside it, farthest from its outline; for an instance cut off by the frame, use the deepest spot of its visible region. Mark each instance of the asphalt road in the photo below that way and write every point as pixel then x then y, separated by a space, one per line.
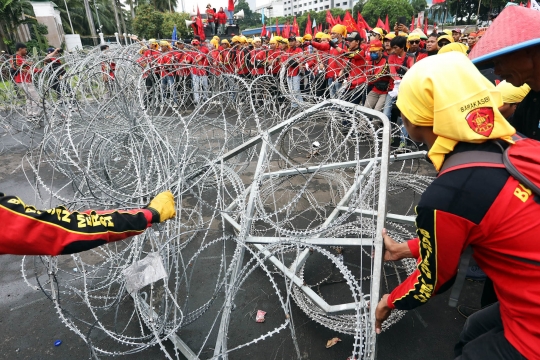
pixel 30 326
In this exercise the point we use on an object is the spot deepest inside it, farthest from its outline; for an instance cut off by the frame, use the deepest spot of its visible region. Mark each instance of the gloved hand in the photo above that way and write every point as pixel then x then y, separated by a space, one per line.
pixel 333 44
pixel 162 207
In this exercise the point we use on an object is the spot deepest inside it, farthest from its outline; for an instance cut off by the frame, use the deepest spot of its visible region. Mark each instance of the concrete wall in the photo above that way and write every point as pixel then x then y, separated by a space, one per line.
pixel 47 15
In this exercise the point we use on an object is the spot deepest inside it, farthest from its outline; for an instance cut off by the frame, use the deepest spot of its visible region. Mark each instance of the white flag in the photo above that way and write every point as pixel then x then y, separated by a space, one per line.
pixel 314 24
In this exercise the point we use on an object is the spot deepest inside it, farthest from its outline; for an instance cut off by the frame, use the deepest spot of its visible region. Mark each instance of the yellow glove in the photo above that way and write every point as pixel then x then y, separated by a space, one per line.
pixel 162 207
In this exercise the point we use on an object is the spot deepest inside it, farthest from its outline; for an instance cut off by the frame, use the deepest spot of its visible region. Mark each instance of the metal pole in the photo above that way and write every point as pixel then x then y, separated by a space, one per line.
pixel 478 14
pixel 90 21
pixel 97 15
pixel 69 17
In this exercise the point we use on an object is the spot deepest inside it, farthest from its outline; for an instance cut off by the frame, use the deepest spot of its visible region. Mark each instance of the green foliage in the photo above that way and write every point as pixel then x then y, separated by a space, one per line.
pixel 358 7
pixel 79 20
pixel 148 22
pixel 375 9
pixel 418 5
pixel 251 19
pixel 171 19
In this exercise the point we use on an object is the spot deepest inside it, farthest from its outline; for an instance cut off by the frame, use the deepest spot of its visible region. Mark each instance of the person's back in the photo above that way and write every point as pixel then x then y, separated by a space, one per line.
pixel 500 218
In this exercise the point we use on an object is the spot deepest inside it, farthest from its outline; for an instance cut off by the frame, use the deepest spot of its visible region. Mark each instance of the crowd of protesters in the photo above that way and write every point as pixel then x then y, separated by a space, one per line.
pixel 444 101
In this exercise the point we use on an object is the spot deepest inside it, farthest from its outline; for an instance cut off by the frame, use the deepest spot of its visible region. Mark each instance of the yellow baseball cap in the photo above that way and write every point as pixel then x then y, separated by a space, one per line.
pixel 378 31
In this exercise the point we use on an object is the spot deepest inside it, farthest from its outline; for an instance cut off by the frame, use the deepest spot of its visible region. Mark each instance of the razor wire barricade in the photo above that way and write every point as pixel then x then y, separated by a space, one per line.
pixel 289 197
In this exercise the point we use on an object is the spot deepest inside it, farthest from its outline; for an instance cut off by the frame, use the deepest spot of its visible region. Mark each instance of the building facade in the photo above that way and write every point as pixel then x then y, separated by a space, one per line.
pixel 298 7
pixel 47 14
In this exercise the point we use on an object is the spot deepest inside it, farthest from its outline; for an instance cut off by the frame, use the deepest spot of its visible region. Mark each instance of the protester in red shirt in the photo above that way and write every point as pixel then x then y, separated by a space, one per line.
pixel 23 70
pixel 242 53
pixel 379 78
pixel 336 47
pixel 414 48
pixel 167 70
pixel 354 71
pixel 221 18
pixel 258 58
pixel 211 15
pixel 473 205
pixel 56 231
pixel 290 57
pixel 230 10
pixel 199 77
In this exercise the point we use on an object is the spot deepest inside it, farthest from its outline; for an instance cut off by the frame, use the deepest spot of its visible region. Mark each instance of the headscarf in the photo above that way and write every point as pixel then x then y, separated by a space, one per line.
pixel 215 43
pixel 340 29
pixel 511 94
pixel 455 46
pixel 460 108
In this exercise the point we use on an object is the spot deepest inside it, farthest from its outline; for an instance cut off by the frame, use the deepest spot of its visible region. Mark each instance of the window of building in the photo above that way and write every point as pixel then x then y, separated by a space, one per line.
pixel 345 3
pixel 338 4
pixel 327 7
pixel 295 6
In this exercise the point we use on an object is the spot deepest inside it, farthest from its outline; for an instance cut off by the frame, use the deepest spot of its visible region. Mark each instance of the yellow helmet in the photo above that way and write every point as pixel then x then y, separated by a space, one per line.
pixel 164 43
pixel 235 39
pixel 319 35
pixel 299 39
pixel 142 50
pixel 308 37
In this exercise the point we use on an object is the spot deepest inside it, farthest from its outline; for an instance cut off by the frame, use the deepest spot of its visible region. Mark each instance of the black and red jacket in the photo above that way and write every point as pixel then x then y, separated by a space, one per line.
pixel 500 218
pixel 24 230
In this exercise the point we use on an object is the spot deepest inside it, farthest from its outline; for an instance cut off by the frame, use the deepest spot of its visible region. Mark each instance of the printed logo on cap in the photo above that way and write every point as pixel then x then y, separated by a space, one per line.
pixel 481 120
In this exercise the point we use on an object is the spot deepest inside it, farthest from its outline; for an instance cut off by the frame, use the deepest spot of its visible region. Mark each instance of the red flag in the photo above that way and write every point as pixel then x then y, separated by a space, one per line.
pixel 338 20
pixel 329 19
pixel 295 29
pixel 386 25
pixel 349 23
pixel 412 24
pixel 263 30
pixel 200 25
pixel 380 24
pixel 278 31
pixel 425 26
pixel 286 31
pixel 308 26
pixel 419 24
pixel 319 29
pixel 529 4
pixel 366 25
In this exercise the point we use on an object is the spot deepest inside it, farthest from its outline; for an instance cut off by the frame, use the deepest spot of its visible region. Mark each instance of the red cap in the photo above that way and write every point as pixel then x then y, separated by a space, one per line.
pixel 505 36
pixel 457 30
pixel 375 45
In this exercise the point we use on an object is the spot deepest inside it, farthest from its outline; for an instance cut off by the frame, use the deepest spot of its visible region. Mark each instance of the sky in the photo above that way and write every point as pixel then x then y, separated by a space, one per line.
pixel 189 4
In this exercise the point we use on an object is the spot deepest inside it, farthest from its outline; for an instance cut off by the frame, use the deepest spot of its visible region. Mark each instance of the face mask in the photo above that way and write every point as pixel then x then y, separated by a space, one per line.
pixel 335 40
pixel 374 56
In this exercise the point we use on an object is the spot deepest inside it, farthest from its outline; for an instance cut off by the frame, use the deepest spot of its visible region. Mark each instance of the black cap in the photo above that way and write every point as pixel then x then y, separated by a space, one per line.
pixel 353 36
pixel 292 38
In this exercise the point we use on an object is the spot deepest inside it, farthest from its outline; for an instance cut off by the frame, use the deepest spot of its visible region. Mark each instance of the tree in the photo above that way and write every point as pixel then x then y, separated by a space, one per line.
pixel 11 16
pixel 250 19
pixel 164 5
pixel 178 19
pixel 147 22
pixel 418 5
pixel 374 9
pixel 358 7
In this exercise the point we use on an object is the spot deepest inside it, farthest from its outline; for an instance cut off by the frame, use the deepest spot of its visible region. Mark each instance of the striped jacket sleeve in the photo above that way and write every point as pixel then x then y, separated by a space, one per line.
pixel 24 230
pixel 442 237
